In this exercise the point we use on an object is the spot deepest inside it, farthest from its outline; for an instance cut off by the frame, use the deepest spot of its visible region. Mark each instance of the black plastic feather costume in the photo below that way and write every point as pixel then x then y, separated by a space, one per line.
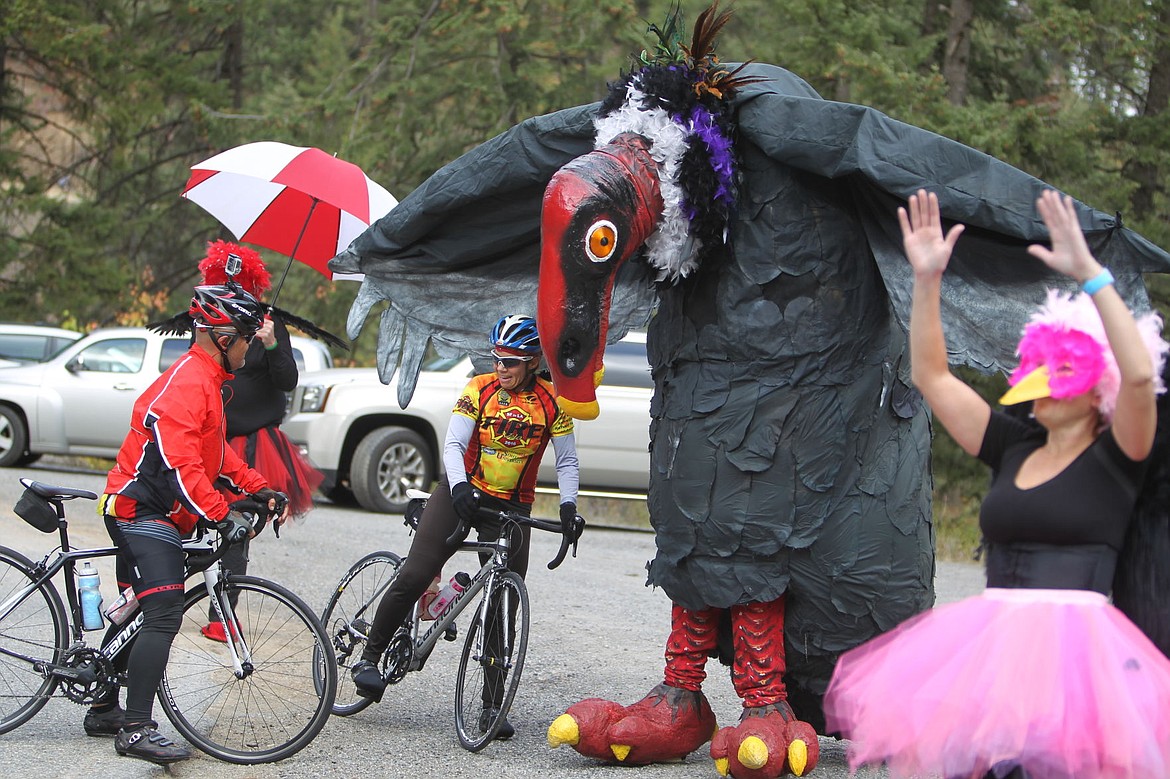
pixel 789 452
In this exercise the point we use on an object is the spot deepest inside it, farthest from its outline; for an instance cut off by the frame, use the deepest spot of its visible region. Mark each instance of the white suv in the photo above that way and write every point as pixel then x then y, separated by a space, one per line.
pixel 352 429
pixel 79 402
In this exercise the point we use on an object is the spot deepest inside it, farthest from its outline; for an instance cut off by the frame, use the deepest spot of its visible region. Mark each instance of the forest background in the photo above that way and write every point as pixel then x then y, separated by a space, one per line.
pixel 105 104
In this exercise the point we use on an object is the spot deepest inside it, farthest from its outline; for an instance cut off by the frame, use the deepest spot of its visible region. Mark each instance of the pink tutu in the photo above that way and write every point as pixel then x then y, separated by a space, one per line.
pixel 1057 681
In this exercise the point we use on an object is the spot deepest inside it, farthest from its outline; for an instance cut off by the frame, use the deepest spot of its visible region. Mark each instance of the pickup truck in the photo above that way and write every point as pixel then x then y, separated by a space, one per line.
pixel 352 429
pixel 79 402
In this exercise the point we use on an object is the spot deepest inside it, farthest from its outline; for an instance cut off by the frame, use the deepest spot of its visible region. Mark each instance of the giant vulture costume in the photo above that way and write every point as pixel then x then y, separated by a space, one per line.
pixel 790 457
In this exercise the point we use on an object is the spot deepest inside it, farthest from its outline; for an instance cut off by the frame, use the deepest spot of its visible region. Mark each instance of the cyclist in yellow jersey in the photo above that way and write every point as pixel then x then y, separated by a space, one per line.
pixel 499 429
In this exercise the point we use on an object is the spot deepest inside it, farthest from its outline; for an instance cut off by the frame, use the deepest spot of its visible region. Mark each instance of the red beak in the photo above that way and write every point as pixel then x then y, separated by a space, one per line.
pixel 598 210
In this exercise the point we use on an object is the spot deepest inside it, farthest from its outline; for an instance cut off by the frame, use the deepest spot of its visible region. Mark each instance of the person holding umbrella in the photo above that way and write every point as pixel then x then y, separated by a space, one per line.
pixel 255 396
pixel 255 399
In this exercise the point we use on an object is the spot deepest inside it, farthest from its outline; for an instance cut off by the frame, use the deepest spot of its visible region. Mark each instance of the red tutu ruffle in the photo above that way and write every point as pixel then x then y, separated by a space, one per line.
pixel 1057 681
pixel 270 452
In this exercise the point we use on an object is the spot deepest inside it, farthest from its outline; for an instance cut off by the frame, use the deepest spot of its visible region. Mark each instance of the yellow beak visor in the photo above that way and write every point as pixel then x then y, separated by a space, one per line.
pixel 1032 387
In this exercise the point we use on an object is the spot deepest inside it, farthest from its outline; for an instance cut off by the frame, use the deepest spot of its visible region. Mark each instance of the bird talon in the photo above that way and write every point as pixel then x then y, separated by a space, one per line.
pixel 765 744
pixel 563 730
pixel 668 724
pixel 752 752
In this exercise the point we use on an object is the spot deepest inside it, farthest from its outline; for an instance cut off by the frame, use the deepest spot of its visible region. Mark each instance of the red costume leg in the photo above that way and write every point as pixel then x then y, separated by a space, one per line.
pixel 757 634
pixel 674 718
pixel 693 637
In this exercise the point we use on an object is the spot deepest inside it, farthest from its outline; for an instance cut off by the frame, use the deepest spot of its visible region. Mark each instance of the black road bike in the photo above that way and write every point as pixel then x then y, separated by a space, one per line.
pixel 260 697
pixel 496 637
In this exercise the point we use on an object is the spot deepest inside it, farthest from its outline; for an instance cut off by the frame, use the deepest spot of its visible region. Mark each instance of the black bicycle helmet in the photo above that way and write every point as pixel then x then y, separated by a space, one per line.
pixel 227 305
pixel 516 333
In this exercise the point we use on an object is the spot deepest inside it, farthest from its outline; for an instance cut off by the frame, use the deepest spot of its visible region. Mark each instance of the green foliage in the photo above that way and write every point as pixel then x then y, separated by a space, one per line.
pixel 104 106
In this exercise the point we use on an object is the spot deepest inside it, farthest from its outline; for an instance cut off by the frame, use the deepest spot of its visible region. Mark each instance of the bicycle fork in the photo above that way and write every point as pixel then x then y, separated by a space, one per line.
pixel 494 625
pixel 217 591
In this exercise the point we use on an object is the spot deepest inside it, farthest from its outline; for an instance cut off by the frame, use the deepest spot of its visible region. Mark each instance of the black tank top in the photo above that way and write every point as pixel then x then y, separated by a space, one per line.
pixel 1066 532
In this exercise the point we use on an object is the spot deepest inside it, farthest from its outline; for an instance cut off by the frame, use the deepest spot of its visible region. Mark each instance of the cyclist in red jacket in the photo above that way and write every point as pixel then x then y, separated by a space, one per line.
pixel 162 486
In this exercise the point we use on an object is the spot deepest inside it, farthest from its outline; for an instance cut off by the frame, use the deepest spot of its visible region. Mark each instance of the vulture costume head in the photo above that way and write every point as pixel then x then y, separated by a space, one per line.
pixel 750 226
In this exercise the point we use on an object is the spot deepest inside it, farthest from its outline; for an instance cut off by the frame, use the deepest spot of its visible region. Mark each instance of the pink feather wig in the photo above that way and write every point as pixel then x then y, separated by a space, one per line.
pixel 1067 335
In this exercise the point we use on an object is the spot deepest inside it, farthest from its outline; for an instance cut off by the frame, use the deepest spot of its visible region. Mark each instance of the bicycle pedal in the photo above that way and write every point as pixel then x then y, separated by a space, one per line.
pixel 451 633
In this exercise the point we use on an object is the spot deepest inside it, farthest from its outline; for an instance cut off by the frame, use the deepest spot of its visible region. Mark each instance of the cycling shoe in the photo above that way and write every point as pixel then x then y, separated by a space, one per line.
pixel 506 730
pixel 146 743
pixel 104 723
pixel 368 680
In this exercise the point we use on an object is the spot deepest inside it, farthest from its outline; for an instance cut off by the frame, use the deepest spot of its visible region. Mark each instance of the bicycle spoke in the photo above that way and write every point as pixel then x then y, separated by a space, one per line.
pixel 356 598
pixel 35 627
pixel 281 701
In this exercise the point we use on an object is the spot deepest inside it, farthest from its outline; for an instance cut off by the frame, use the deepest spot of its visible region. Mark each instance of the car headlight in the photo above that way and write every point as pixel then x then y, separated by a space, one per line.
pixel 313 398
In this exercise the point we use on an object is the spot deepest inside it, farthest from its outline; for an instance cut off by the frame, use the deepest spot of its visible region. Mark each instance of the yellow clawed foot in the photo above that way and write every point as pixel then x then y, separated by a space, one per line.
pixel 563 730
pixel 798 757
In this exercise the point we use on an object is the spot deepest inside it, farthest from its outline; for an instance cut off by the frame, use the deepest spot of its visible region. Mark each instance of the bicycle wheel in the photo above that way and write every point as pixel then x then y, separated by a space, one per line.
pixel 278 705
pixel 491 664
pixel 35 627
pixel 348 617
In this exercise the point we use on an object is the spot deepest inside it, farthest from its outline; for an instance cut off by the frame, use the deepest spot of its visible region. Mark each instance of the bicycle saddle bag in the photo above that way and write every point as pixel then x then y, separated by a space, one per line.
pixel 36 511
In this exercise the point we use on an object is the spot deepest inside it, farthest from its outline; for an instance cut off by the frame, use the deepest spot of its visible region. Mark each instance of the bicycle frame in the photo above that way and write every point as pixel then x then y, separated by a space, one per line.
pixel 424 641
pixel 65 559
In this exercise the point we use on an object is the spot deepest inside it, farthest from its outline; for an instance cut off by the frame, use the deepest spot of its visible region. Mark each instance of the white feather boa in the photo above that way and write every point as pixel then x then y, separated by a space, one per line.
pixel 669 249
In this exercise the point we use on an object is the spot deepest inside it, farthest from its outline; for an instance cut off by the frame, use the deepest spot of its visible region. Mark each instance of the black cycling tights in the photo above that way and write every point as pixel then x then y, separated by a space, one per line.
pixel 150 557
pixel 163 612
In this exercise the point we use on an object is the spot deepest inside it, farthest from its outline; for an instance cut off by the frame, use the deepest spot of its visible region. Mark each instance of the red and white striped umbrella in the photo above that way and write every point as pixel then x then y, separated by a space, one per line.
pixel 299 201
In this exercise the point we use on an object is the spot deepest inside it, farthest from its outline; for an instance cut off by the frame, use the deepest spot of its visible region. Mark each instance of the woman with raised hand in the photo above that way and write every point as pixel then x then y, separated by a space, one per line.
pixel 1039 676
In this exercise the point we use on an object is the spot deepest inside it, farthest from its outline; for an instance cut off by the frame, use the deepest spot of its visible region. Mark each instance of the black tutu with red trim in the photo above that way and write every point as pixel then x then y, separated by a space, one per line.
pixel 269 451
pixel 1056 681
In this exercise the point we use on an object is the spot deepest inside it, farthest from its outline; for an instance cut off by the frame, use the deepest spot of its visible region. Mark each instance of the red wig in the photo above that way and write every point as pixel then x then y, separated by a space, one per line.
pixel 253 277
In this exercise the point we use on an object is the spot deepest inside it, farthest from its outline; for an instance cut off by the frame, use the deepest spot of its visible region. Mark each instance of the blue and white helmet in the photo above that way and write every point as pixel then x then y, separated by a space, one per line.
pixel 516 333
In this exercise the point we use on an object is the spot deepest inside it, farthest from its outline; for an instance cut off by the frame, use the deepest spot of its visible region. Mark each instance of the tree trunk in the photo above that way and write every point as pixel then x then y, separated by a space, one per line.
pixel 929 17
pixel 234 60
pixel 3 81
pixel 957 54
pixel 1146 174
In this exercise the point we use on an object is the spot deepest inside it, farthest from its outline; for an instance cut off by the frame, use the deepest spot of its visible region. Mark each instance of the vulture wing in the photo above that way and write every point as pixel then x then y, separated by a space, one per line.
pixel 463 250
pixel 992 284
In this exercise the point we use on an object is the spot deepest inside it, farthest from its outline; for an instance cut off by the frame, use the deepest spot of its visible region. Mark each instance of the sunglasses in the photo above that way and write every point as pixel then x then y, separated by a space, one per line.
pixel 509 361
pixel 234 334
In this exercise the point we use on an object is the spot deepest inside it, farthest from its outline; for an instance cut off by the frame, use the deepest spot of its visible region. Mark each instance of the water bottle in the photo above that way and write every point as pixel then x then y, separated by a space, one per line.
pixel 452 588
pixel 428 597
pixel 122 607
pixel 88 588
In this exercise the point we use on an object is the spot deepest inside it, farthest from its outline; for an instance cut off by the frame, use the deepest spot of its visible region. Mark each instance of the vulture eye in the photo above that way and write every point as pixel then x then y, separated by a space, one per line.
pixel 601 241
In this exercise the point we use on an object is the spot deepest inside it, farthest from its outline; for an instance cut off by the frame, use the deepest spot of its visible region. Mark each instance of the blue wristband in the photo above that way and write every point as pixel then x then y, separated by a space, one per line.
pixel 1097 283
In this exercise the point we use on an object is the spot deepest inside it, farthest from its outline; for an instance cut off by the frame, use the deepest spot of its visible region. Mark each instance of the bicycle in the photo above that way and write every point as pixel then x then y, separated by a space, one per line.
pixel 497 636
pixel 258 698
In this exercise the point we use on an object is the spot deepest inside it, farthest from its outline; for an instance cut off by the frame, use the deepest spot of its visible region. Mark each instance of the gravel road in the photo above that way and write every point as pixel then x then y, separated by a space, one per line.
pixel 597 631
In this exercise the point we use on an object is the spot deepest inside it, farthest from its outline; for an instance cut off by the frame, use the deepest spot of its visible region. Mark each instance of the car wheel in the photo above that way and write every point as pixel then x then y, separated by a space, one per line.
pixel 388 462
pixel 13 438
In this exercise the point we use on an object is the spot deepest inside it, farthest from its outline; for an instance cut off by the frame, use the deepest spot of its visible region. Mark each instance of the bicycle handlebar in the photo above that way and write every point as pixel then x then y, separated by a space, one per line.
pixel 256 514
pixel 549 525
